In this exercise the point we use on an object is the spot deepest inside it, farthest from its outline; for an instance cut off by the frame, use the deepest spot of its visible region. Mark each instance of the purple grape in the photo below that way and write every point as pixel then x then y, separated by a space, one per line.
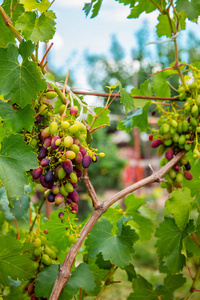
pixel 156 143
pixel 86 161
pixel 177 168
pixel 79 157
pixel 48 176
pixel 56 171
pixel 74 208
pixel 37 172
pixel 44 162
pixel 79 173
pixel 74 185
pixel 61 215
pixel 42 153
pixel 46 231
pixel 192 138
pixel 54 139
pixel 188 166
pixel 188 175
pixel 51 197
pixel 169 154
pixel 69 201
pixel 39 119
pixel 74 196
pixel 83 151
pixel 76 141
pixel 67 166
pixel 44 183
pixel 47 141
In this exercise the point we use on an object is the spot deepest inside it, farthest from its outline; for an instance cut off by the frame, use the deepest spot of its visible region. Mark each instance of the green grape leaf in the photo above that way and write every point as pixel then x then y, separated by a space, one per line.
pixel 160 85
pixel 95 5
pixel 97 272
pixel 191 246
pixel 144 90
pixel 169 245
pixel 130 270
pixel 45 281
pixel 16 120
pixel 143 290
pixel 191 8
pixel 113 213
pixel 173 282
pixel 35 28
pixel 179 205
pixel 57 230
pixel 142 224
pixel 2 132
pixel 6 35
pixel 15 159
pixel 127 2
pixel 26 49
pixel 57 105
pixel 126 98
pixel 102 119
pixel 17 9
pixel 142 6
pixel 5 204
pixel 116 248
pixel 41 5
pixel 20 82
pixel 13 261
pixel 137 119
pixel 163 27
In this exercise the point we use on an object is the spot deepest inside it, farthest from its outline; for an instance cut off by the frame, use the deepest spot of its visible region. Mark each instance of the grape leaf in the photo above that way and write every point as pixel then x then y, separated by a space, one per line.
pixel 96 7
pixel 163 27
pixel 191 8
pixel 116 248
pixel 42 6
pixel 126 98
pixel 16 120
pixel 15 159
pixel 7 36
pixel 142 6
pixel 143 290
pixel 2 132
pixel 160 85
pixel 45 281
pixel 17 10
pixel 57 230
pixel 179 205
pixel 5 204
pixel 130 270
pixel 26 49
pixel 13 262
pixel 169 245
pixel 20 82
pixel 173 282
pixel 137 119
pixel 35 28
pixel 113 213
pixel 102 118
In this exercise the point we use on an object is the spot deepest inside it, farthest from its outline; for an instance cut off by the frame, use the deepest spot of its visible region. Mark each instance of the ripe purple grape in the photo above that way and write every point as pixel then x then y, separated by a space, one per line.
pixel 79 173
pixel 86 161
pixel 76 141
pixel 74 196
pixel 188 166
pixel 79 157
pixel 48 176
pixel 69 201
pixel 177 168
pixel 39 119
pixel 74 208
pixel 42 153
pixel 44 162
pixel 169 154
pixel 44 183
pixel 188 175
pixel 46 231
pixel 47 141
pixel 83 151
pixel 61 215
pixel 51 197
pixel 37 172
pixel 67 166
pixel 74 185
pixel 156 143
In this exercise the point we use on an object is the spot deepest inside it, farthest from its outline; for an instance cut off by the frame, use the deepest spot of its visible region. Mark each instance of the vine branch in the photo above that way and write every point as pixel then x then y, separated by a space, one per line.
pixel 64 272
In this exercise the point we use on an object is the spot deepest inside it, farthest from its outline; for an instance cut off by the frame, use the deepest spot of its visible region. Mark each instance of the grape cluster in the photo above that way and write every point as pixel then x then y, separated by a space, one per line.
pixel 179 128
pixel 63 155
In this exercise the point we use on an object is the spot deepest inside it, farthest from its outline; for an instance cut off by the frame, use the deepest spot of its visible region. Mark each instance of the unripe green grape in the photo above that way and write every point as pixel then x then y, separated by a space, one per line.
pixel 33 142
pixel 161 150
pixel 185 125
pixel 172 173
pixel 62 109
pixel 193 122
pixel 47 250
pixel 198 100
pixel 196 151
pixel 163 161
pixel 187 108
pixel 43 109
pixel 181 139
pixel 68 141
pixel 58 142
pixel 72 239
pixel 198 129
pixel 175 137
pixel 174 123
pixel 37 251
pixel 182 96
pixel 184 160
pixel 63 191
pixel 187 136
pixel 50 95
pixel 61 173
pixel 168 142
pixel 172 130
pixel 65 125
pixel 165 128
pixel 69 187
pixel 37 242
pixel 53 128
pixel 75 148
pixel 181 89
pixel 188 147
pixel 44 240
pixel 180 127
pixel 73 177
pixel 179 178
pixel 195 110
pixel 46 259
pixel 168 178
pixel 193 85
pixel 163 185
pixel 74 128
pixel 82 127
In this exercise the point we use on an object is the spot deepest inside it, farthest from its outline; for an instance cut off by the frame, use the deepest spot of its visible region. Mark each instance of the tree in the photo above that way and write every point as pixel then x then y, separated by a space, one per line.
pixel 46 142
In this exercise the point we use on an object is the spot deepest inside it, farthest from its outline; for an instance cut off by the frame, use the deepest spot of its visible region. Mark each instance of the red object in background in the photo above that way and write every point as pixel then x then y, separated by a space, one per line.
pixel 133 174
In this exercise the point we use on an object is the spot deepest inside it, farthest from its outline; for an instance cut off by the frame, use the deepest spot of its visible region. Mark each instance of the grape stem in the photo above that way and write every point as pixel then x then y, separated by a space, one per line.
pixel 39 210
pixel 99 209
pixel 193 289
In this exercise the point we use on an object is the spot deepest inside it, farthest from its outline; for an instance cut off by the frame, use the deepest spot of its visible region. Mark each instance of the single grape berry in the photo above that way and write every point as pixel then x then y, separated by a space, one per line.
pixel 74 196
pixel 74 111
pixel 61 215
pixel 67 166
pixel 156 143
pixel 74 208
pixel 44 162
pixel 153 113
pixel 31 289
pixel 169 154
pixel 37 172
pixel 188 166
pixel 48 176
pixel 37 242
pixel 55 189
pixel 46 259
pixel 82 150
pixel 53 142
pixel 188 175
pixel 59 198
pixel 86 161
pixel 72 239
pixel 177 168
pixel 151 137
pixel 42 153
pixel 46 231
pixel 47 142
pixel 51 197
pixel 50 95
pixel 79 157
pixel 39 118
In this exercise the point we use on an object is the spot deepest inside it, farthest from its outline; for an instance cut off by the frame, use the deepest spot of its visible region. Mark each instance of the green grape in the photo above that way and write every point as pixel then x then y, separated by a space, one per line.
pixel 61 173
pixel 43 109
pixel 53 128
pixel 172 130
pixel 198 129
pixel 163 161
pixel 193 122
pixel 75 148
pixel 198 100
pixel 175 137
pixel 46 259
pixel 68 141
pixel 184 160
pixel 69 187
pixel 37 251
pixel 65 125
pixel 182 96
pixel 48 251
pixel 74 128
pixel 62 109
pixel 165 128
pixel 33 143
pixel 63 191
pixel 179 178
pixel 73 177
pixel 195 110
pixel 181 139
pixel 181 89
pixel 193 85
pixel 168 142
pixel 174 123
pixel 37 242
pixel 44 240
pixel 172 173
pixel 50 95
pixel 187 108
pixel 161 150
pixel 180 127
pixel 72 239
pixel 163 185
pixel 185 125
